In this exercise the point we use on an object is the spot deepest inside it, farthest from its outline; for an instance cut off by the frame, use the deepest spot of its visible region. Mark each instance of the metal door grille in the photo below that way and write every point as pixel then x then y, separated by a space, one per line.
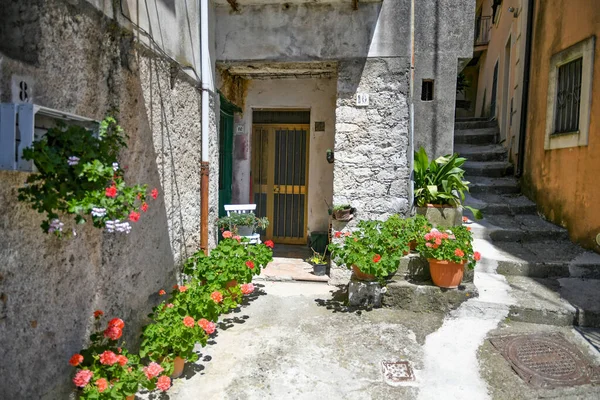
pixel 280 168
pixel 568 97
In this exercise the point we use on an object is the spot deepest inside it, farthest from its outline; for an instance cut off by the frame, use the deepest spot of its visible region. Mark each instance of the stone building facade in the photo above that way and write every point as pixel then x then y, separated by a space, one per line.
pixel 85 58
pixel 347 74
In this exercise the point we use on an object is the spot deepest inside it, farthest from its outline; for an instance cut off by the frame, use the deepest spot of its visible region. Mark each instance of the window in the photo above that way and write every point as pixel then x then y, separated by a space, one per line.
pixel 570 96
pixel 427 90
pixel 566 118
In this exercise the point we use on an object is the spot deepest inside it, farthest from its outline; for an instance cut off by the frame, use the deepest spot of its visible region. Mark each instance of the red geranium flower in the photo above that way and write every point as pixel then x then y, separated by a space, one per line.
pixel 111 191
pixel 189 322
pixel 113 332
pixel 144 207
pixel 216 296
pixel 182 289
pixel 250 264
pixel 154 193
pixel 102 384
pixel 270 244
pixel 477 256
pixel 161 292
pixel 122 360
pixel 134 216
pixel 76 360
pixel 209 327
pixel 108 358
pixel 338 234
pixel 376 258
pixel 163 383
pixel 118 322
pixel 459 253
pixel 98 313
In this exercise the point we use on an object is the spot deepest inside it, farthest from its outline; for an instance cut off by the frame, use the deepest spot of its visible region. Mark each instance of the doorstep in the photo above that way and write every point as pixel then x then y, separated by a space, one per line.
pixel 290 269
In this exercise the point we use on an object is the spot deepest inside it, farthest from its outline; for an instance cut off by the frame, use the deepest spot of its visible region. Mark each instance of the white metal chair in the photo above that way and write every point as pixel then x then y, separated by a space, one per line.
pixel 244 209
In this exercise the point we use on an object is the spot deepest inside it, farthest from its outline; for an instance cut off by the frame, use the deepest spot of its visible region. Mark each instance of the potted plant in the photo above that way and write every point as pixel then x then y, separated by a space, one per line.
pixel 319 262
pixel 106 370
pixel 371 252
pixel 447 252
pixel 78 175
pixel 232 262
pixel 439 189
pixel 171 337
pixel 342 212
pixel 243 224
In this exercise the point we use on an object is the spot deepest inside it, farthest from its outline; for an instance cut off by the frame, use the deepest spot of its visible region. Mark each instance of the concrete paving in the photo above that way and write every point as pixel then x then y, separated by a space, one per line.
pixel 295 341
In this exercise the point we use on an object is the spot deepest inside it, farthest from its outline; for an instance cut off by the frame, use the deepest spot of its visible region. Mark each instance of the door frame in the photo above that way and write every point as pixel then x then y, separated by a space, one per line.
pixel 270 193
pixel 226 110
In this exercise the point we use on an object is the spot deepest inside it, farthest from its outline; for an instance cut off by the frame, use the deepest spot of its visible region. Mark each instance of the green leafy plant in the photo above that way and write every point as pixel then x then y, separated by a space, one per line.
pixel 106 370
pixel 440 181
pixel 452 244
pixel 235 220
pixel 172 333
pixel 318 258
pixel 234 259
pixel 462 82
pixel 341 207
pixel 375 248
pixel 78 175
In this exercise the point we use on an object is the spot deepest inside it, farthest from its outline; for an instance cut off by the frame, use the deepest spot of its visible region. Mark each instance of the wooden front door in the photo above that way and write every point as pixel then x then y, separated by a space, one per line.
pixel 280 179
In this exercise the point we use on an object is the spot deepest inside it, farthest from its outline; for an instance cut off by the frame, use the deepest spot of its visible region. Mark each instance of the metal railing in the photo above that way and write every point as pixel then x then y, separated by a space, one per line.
pixel 482 30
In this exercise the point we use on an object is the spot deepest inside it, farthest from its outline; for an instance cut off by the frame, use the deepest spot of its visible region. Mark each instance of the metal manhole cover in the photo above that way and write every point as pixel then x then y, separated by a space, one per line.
pixel 395 372
pixel 546 361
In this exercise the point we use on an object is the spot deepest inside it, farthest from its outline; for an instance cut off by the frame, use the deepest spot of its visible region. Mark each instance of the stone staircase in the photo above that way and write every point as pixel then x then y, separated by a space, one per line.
pixel 552 281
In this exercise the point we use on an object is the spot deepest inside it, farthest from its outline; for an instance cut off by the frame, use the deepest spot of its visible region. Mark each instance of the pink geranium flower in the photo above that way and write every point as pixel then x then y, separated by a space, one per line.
pixel 153 370
pixel 247 288
pixel 82 377
pixel 164 383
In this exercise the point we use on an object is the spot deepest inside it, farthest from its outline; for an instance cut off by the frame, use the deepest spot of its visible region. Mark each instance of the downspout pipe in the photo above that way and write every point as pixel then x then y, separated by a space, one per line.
pixel 207 91
pixel 525 97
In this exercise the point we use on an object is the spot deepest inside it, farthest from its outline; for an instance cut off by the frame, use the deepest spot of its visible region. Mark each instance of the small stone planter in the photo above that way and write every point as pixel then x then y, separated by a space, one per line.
pixel 245 230
pixel 441 216
pixel 342 215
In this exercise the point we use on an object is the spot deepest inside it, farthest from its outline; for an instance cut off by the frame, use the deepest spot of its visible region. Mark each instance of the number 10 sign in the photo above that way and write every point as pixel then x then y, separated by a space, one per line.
pixel 362 99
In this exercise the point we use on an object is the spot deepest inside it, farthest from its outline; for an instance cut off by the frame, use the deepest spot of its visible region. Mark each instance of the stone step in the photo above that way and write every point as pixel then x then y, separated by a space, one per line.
pixel 498 204
pixel 552 259
pixel 523 228
pixel 483 184
pixel 562 302
pixel 426 297
pixel 476 136
pixel 491 169
pixel 488 152
pixel 474 123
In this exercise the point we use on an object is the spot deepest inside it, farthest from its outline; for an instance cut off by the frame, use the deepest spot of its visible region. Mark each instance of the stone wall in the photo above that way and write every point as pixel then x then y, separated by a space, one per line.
pixel 443 45
pixel 371 169
pixel 84 63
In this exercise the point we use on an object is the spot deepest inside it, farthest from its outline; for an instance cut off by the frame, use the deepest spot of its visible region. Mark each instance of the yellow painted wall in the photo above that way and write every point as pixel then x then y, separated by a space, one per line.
pixel 564 182
pixel 506 30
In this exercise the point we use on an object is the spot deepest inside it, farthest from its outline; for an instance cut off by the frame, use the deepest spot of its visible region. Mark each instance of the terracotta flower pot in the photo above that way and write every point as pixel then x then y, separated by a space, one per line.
pixel 446 274
pixel 178 365
pixel 130 397
pixel 361 276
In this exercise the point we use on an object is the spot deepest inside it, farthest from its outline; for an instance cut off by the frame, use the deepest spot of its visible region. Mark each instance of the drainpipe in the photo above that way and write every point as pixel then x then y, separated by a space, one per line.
pixel 525 97
pixel 207 91
pixel 411 128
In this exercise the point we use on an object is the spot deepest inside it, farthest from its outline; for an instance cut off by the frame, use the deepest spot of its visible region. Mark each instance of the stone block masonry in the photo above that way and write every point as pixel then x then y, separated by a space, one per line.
pixel 371 169
pixel 84 63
